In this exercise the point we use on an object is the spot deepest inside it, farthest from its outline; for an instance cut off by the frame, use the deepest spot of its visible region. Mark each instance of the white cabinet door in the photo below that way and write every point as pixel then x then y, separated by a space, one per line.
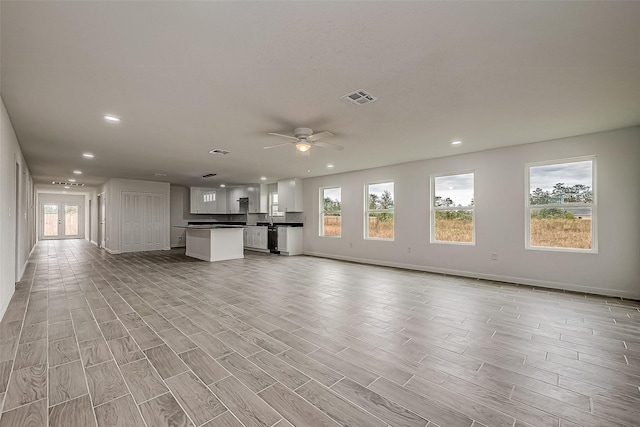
pixel 253 193
pixel 221 201
pixel 261 241
pixel 290 195
pixel 282 239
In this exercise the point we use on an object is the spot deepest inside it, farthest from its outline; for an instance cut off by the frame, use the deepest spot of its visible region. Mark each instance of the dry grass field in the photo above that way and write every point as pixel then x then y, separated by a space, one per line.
pixel 454 230
pixel 561 233
pixel 550 232
pixel 332 225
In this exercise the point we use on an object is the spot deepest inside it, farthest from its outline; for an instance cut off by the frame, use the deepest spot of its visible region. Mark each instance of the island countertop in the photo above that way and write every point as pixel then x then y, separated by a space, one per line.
pixel 208 226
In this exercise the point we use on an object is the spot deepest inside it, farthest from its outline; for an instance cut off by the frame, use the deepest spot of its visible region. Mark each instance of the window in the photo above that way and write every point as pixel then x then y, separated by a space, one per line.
pixel 209 197
pixel 273 205
pixel 379 211
pixel 452 208
pixel 330 212
pixel 561 205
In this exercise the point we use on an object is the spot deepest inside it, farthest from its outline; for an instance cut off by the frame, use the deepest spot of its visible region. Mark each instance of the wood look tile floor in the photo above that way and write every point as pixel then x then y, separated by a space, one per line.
pixel 160 339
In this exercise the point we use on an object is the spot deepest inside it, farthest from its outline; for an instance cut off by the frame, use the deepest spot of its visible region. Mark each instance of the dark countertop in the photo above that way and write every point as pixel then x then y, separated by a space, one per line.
pixel 281 224
pixel 205 222
pixel 208 226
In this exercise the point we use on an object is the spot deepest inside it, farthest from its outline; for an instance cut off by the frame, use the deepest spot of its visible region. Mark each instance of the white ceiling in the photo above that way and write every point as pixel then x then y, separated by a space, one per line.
pixel 187 77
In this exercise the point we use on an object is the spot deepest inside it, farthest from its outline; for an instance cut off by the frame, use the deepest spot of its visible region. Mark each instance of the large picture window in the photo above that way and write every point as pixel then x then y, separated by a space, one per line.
pixel 561 205
pixel 379 211
pixel 452 208
pixel 330 212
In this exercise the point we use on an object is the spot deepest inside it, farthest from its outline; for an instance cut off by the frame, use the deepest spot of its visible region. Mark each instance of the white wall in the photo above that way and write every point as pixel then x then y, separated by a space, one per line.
pixel 500 216
pixel 112 190
pixel 23 228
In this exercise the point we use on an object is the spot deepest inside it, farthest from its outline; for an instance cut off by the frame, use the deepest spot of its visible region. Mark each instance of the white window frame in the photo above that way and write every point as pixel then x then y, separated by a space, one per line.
pixel 322 212
pixel 367 211
pixel 593 206
pixel 434 209
pixel 274 195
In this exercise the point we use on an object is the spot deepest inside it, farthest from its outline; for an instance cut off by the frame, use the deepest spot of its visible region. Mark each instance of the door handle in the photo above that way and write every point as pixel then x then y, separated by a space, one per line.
pixel 59 221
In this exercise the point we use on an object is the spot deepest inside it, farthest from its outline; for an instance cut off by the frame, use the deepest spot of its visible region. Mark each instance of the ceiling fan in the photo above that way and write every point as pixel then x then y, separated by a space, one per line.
pixel 304 139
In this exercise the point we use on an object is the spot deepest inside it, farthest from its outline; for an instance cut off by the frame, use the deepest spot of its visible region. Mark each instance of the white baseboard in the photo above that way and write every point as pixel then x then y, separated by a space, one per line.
pixel 493 277
pixel 112 252
pixel 5 305
pixel 93 242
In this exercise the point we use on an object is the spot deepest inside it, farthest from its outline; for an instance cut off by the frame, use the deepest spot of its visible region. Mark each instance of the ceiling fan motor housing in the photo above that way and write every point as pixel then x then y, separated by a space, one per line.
pixel 302 133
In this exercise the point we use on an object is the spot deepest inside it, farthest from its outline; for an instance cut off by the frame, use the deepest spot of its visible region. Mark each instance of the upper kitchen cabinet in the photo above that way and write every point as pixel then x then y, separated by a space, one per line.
pixel 290 195
pixel 244 199
pixel 208 200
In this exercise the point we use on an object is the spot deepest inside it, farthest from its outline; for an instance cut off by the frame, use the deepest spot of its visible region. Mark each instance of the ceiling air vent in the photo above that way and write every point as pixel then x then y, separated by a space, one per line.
pixel 359 97
pixel 218 151
pixel 209 175
pixel 68 184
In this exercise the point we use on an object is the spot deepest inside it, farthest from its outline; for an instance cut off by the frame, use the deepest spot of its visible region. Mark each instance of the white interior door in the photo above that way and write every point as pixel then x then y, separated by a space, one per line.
pixel 61 220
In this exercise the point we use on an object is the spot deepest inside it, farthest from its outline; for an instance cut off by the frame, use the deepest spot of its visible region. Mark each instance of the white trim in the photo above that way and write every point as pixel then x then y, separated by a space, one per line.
pixel 561 286
pixel 111 251
pixel 93 242
pixel 528 207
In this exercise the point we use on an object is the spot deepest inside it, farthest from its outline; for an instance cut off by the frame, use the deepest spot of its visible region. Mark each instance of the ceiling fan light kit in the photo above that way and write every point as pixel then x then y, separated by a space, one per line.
pixel 303 146
pixel 304 139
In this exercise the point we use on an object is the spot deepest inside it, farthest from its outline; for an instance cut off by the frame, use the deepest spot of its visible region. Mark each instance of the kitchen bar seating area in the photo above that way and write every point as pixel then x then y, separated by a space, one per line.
pixel 158 338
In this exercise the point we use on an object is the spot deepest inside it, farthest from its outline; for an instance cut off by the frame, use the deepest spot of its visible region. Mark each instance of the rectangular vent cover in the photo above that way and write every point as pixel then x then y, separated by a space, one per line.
pixel 218 151
pixel 68 184
pixel 359 97
pixel 209 175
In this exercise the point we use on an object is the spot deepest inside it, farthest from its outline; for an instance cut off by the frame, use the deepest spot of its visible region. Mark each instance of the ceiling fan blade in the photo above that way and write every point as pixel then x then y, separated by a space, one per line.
pixel 277 145
pixel 283 136
pixel 320 135
pixel 329 146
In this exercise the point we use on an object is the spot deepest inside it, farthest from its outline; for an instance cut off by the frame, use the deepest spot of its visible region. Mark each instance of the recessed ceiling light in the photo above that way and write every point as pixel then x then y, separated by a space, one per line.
pixel 112 119
pixel 87 155
pixel 160 174
pixel 78 172
pixel 456 142
pixel 330 166
pixel 264 178
pixel 71 180
pixel 67 187
pixel 222 185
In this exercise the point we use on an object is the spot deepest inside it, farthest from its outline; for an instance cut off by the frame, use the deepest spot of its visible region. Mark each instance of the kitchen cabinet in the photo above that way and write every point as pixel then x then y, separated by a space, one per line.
pixel 256 238
pixel 250 192
pixel 290 195
pixel 290 240
pixel 208 200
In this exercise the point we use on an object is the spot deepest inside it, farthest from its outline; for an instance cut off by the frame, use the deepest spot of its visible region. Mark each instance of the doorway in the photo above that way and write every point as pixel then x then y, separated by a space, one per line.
pixel 61 220
pixel 102 213
pixel 17 215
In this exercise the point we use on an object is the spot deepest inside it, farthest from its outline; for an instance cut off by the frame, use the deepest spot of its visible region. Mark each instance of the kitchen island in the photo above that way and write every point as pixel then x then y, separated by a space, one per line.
pixel 212 242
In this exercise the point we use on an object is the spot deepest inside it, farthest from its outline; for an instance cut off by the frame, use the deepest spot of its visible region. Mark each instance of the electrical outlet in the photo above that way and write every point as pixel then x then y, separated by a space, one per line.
pixel 494 256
